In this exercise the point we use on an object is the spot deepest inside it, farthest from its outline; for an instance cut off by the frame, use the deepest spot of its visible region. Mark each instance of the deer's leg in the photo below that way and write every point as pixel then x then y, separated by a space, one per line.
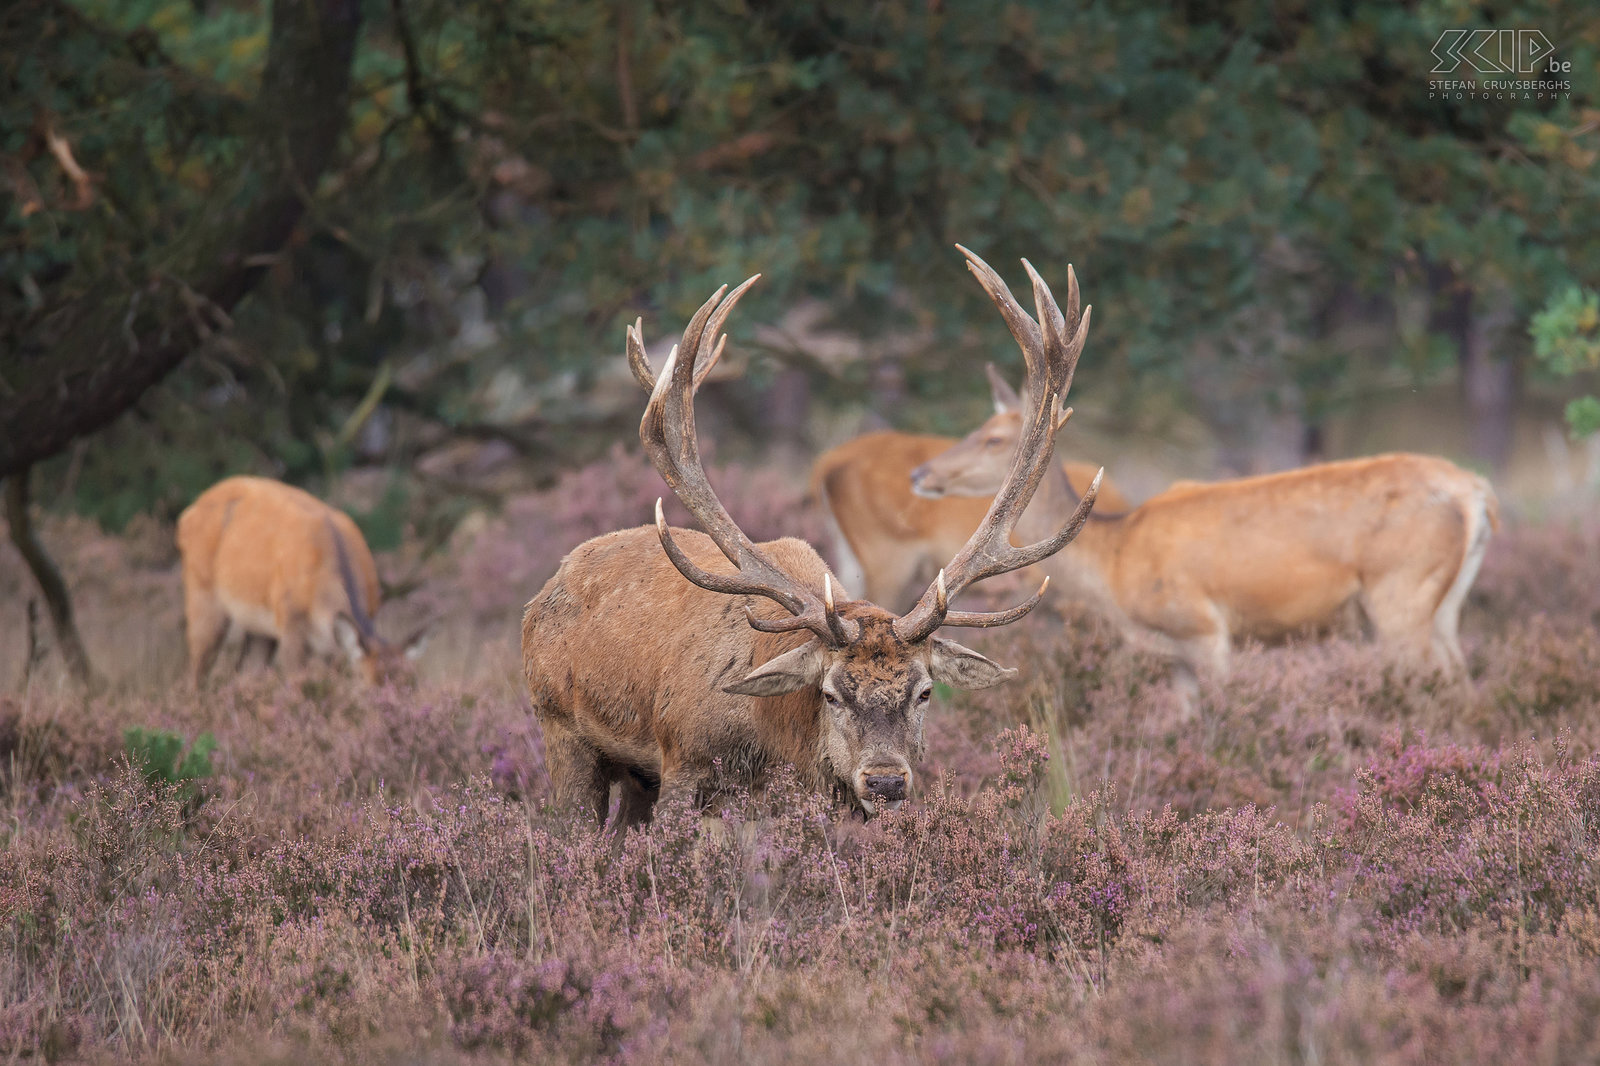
pixel 294 630
pixel 1402 609
pixel 252 641
pixel 638 798
pixel 685 779
pixel 206 624
pixel 580 779
pixel 1205 654
pixel 1211 653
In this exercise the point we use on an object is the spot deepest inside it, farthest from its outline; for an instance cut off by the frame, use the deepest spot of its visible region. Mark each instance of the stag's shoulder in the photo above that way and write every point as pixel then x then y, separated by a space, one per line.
pixel 798 558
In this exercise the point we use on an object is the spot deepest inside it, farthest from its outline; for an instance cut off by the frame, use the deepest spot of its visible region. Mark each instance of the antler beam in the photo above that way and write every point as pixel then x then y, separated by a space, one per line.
pixel 667 432
pixel 1050 349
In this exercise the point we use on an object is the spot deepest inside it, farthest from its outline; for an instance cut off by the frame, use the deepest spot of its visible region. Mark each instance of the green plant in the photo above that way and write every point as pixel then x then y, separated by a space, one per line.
pixel 160 754
pixel 1566 338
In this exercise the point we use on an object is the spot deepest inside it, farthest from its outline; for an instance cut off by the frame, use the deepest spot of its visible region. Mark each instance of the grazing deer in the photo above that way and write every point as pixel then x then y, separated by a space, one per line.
pixel 272 561
pixel 663 659
pixel 1204 563
pixel 887 540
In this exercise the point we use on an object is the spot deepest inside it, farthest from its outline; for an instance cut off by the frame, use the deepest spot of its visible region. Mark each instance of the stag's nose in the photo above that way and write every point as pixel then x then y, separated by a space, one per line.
pixel 918 478
pixel 891 788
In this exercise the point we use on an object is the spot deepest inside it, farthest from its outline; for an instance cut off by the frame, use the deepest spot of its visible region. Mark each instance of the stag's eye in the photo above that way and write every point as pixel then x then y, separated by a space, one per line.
pixel 830 699
pixel 924 696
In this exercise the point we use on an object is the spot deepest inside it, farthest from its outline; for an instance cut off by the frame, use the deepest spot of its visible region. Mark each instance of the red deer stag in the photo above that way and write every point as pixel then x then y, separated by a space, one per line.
pixel 887 540
pixel 1202 564
pixel 655 656
pixel 272 561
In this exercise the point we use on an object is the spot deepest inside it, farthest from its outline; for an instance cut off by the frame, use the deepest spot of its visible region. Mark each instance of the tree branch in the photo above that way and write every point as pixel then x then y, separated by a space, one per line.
pixel 76 368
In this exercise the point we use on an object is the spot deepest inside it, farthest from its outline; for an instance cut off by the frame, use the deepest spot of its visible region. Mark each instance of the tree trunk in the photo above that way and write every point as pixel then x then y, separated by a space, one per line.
pixel 54 589
pixel 80 363
pixel 786 412
pixel 1476 323
pixel 1489 383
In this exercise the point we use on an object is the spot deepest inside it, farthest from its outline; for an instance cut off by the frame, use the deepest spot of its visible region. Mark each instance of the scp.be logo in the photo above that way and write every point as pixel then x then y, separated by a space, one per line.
pixel 1497 52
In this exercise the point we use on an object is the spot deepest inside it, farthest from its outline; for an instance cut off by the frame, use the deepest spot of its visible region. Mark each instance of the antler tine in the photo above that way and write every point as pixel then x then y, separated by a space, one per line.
pixel 1042 550
pixel 1051 353
pixel 672 405
pixel 667 432
pixel 989 619
pixel 1063 334
pixel 1022 326
pixel 639 362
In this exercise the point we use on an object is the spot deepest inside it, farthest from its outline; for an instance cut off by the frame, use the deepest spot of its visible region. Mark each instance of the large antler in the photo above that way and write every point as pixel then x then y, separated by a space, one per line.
pixel 668 434
pixel 1050 349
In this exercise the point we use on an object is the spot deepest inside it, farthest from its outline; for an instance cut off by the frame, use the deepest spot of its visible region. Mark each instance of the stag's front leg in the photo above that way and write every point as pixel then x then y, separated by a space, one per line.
pixel 579 777
pixel 684 781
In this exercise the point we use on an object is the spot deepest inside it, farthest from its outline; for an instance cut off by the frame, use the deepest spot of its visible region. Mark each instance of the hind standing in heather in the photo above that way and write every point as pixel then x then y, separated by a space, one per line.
pixel 1203 564
pixel 669 660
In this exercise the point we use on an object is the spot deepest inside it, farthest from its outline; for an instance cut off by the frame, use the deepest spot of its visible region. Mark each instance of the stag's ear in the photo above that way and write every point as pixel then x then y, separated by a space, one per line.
pixel 346 632
pixel 1006 399
pixel 961 667
pixel 789 672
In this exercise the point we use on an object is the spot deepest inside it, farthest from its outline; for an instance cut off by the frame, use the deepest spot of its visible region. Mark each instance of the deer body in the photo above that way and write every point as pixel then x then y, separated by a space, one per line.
pixel 627 664
pixel 1197 567
pixel 270 560
pixel 888 541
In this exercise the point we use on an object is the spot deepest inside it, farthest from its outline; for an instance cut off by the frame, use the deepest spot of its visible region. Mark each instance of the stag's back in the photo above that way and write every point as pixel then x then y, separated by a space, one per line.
pixel 265 551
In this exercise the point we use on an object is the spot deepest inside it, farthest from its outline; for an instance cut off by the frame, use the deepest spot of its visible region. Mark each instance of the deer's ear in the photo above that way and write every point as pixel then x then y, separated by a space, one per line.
pixel 961 667
pixel 789 672
pixel 1006 399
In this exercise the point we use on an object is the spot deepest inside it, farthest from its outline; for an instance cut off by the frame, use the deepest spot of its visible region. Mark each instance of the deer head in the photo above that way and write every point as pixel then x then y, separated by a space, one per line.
pixel 375 659
pixel 977 463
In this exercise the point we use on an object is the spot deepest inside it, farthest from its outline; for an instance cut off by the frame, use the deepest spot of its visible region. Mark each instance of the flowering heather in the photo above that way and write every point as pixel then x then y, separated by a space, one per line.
pixel 1329 858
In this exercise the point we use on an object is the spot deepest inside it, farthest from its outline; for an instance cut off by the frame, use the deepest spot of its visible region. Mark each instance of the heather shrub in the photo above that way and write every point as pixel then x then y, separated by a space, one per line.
pixel 580 1007
pixel 1329 857
pixel 1538 568
pixel 1547 669
pixel 511 559
pixel 1454 840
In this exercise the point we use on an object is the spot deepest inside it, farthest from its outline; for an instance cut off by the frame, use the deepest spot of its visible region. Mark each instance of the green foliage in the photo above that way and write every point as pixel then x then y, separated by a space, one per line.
pixel 160 755
pixel 384 525
pixel 1583 415
pixel 1566 339
pixel 1566 334
pixel 1219 176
